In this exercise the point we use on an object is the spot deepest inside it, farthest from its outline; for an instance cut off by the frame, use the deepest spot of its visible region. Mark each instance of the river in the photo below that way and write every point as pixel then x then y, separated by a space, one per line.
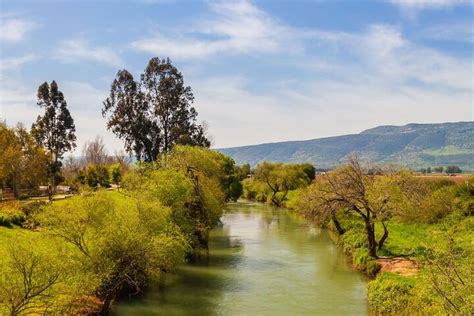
pixel 263 261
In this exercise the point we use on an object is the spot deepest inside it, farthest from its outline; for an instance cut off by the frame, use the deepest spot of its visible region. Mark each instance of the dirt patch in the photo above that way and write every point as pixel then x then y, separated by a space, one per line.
pixel 399 265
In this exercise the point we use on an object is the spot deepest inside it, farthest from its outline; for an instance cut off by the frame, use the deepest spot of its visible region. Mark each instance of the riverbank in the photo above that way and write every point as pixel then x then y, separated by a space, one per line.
pixel 420 267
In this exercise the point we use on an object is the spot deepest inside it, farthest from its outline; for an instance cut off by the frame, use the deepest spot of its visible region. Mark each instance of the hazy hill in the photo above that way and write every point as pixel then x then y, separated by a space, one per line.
pixel 412 145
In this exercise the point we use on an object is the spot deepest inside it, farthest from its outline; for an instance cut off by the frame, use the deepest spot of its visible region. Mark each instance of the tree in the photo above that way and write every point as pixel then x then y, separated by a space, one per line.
pixel 453 169
pixel 94 176
pixel 10 153
pixel 116 173
pixel 23 163
pixel 122 243
pixel 55 129
pixel 94 152
pixel 350 190
pixel 155 114
pixel 35 274
pixel 439 169
pixel 281 178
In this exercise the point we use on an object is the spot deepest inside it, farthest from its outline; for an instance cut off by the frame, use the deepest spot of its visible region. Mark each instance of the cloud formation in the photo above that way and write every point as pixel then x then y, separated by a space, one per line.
pixel 76 50
pixel 234 28
pixel 428 4
pixel 14 29
pixel 16 62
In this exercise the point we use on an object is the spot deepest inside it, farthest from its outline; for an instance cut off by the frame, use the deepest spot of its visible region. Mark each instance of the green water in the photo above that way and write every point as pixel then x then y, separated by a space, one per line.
pixel 263 261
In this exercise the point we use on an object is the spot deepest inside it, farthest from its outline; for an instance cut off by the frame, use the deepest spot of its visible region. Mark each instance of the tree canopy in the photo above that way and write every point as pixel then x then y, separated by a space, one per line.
pixel 55 129
pixel 154 114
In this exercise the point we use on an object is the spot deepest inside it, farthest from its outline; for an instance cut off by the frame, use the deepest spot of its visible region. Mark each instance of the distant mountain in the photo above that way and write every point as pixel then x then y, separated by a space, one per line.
pixel 412 145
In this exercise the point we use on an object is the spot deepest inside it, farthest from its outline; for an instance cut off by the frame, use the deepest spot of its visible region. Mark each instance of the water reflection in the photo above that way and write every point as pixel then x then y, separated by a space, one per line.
pixel 262 261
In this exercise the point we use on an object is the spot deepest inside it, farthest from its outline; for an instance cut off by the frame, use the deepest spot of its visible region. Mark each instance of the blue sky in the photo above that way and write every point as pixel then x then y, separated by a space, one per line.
pixel 261 71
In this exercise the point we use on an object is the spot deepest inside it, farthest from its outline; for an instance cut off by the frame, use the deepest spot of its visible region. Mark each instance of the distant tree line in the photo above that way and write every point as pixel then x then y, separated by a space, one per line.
pixel 440 169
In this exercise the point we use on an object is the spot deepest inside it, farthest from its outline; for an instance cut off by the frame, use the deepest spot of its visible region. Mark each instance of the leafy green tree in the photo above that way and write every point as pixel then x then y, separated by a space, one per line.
pixel 281 178
pixel 155 114
pixel 122 243
pixel 453 169
pixel 115 171
pixel 10 153
pixel 23 163
pixel 38 278
pixel 95 175
pixel 55 129
pixel 170 102
pixel 350 191
pixel 309 169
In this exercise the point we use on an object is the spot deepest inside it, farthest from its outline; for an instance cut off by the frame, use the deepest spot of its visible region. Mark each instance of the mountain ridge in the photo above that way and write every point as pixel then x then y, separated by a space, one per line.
pixel 413 145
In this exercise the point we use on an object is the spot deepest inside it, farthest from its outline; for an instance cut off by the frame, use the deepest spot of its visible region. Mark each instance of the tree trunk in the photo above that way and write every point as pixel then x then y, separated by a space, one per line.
pixel 105 309
pixel 384 237
pixel 372 244
pixel 338 226
pixel 274 199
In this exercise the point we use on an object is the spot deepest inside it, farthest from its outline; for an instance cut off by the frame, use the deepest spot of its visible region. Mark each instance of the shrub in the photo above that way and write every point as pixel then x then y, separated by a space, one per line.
pixel 390 294
pixel 23 196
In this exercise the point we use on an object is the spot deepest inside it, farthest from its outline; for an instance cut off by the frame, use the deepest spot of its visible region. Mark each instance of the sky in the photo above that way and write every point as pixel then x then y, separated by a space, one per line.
pixel 261 71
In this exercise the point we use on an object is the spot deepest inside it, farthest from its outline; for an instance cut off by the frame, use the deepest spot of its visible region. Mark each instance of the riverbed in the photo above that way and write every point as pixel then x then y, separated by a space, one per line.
pixel 263 261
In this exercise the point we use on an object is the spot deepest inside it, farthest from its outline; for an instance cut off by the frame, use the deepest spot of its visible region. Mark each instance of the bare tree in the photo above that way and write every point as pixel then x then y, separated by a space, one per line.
pixel 349 189
pixel 94 152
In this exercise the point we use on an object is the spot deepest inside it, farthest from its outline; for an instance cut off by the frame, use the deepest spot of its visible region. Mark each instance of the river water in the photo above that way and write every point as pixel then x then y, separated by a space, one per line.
pixel 263 261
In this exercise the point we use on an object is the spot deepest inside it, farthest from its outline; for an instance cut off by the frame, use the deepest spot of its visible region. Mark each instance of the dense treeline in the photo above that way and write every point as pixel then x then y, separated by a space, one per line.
pixel 385 214
pixel 113 243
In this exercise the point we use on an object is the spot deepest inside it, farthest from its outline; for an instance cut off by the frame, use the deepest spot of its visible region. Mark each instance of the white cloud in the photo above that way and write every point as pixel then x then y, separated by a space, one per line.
pixel 425 4
pixel 235 28
pixel 318 108
pixel 75 50
pixel 458 31
pixel 16 62
pixel 18 104
pixel 379 77
pixel 14 29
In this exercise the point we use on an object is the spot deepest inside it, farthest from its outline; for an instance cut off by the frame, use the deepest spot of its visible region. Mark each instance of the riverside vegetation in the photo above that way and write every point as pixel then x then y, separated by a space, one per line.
pixel 79 255
pixel 381 215
pixel 88 250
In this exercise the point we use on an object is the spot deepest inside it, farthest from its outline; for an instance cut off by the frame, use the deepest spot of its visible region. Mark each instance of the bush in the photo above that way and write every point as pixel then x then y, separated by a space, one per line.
pixel 5 221
pixel 32 207
pixel 23 196
pixel 390 294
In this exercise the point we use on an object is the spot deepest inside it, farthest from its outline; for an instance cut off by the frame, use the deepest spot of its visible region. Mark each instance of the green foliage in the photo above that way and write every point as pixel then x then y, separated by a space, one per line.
pixel 38 278
pixel 281 178
pixel 194 182
pixel 55 129
pixel 390 294
pixel 255 190
pixel 11 213
pixel 453 169
pixel 154 114
pixel 95 176
pixel 121 242
pixel 23 163
pixel 115 171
